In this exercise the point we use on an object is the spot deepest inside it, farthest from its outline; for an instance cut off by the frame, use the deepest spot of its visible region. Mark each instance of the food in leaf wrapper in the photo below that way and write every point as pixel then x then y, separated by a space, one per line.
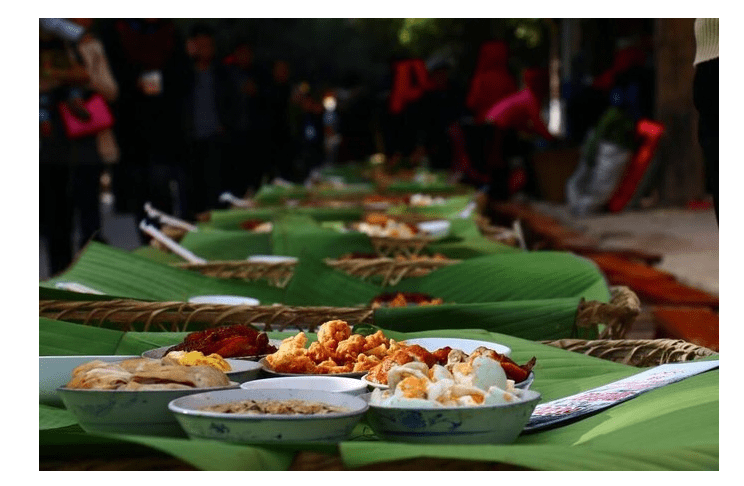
pixel 227 341
pixel 404 299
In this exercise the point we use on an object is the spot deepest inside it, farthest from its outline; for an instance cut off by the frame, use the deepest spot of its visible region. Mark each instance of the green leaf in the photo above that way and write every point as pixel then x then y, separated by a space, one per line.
pixel 119 273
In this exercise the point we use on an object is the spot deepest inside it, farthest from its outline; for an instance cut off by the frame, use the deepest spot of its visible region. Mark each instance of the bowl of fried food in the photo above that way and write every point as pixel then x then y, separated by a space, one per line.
pixel 238 341
pixel 519 376
pixel 471 402
pixel 269 415
pixel 336 352
pixel 132 396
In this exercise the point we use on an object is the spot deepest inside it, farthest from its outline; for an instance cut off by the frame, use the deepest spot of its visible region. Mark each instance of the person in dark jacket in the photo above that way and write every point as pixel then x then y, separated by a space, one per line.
pixel 208 117
pixel 148 60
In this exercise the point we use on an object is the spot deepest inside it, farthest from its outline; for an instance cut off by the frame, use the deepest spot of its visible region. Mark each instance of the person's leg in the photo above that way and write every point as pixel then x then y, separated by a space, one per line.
pixel 705 97
pixel 55 214
pixel 498 167
pixel 86 181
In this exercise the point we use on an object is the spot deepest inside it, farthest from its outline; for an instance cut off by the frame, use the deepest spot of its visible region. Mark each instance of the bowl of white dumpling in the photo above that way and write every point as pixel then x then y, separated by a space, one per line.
pixel 470 403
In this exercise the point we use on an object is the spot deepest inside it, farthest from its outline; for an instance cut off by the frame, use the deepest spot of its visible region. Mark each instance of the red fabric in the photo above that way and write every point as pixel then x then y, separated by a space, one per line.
pixel 520 111
pixel 650 132
pixel 492 80
pixel 624 60
pixel 410 81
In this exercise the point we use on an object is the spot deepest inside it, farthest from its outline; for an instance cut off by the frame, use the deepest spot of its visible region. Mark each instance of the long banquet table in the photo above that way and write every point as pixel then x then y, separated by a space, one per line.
pixel 675 427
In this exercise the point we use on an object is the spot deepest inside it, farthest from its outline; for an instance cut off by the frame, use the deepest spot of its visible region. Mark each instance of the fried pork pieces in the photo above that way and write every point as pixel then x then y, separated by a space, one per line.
pixel 335 351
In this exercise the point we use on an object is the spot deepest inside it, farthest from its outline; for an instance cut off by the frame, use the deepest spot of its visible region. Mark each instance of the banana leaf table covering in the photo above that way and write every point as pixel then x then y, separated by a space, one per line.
pixel 671 428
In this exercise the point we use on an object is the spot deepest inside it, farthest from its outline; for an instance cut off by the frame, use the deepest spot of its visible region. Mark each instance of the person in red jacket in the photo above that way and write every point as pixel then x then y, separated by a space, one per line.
pixel 515 114
pixel 492 80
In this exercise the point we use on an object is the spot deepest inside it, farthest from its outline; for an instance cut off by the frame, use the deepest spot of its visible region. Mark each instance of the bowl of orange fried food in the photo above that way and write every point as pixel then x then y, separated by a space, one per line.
pixel 336 352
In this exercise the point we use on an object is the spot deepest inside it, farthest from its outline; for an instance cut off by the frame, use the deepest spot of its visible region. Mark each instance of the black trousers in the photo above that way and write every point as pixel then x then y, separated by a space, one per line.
pixel 705 97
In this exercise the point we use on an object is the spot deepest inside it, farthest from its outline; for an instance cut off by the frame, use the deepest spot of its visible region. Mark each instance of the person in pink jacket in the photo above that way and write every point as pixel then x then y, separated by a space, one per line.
pixel 514 115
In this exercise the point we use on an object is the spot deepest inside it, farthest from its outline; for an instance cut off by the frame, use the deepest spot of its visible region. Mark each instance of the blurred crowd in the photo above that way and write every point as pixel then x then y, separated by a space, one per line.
pixel 166 118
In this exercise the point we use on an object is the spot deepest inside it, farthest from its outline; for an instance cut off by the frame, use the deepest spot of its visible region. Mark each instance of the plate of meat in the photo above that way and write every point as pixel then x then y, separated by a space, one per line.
pixel 238 341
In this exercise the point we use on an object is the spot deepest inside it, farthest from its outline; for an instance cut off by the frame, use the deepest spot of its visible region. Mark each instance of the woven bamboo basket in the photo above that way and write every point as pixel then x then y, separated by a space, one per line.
pixel 500 234
pixel 636 352
pixel 136 315
pixel 392 270
pixel 131 315
pixel 618 315
pixel 173 232
pixel 278 273
pixel 387 246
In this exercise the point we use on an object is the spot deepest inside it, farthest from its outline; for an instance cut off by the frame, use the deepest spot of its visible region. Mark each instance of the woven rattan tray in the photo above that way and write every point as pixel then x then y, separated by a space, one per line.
pixel 131 315
pixel 276 273
pixel 392 270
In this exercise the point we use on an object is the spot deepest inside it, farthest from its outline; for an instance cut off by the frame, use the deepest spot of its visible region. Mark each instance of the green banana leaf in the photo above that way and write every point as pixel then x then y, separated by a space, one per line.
pixel 513 276
pixel 230 219
pixel 493 278
pixel 466 241
pixel 272 194
pixel 119 273
pixel 215 244
pixel 533 319
pixel 671 428
pixel 296 235
pixel 451 208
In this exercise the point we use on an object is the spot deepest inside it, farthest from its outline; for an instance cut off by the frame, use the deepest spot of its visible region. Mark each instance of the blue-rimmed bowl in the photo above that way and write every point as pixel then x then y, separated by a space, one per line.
pixel 485 424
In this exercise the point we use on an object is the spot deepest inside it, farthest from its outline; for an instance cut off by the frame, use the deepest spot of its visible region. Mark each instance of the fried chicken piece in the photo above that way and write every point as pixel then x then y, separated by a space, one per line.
pixel 379 351
pixel 318 353
pixel 421 354
pixel 379 373
pixel 333 332
pixel 374 340
pixel 291 356
pixel 331 367
pixel 365 362
pixel 441 355
pixel 348 349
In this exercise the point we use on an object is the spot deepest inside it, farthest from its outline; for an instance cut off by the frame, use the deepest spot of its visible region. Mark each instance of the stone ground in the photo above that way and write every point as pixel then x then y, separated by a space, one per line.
pixel 687 239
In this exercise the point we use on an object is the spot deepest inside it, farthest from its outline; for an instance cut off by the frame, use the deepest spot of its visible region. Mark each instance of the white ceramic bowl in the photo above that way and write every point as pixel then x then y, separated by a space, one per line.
pixel 335 384
pixel 56 371
pixel 223 299
pixel 272 259
pixel 436 229
pixel 497 424
pixel 464 345
pixel 244 428
pixel 127 412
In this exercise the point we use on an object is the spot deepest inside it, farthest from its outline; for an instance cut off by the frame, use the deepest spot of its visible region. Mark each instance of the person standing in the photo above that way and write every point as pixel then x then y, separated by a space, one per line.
pixel 148 60
pixel 282 148
pixel 207 118
pixel 513 115
pixel 705 98
pixel 247 161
